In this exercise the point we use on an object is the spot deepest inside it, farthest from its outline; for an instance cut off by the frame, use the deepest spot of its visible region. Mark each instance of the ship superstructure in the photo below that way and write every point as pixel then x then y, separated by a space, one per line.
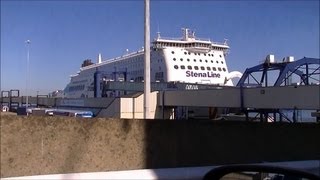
pixel 187 59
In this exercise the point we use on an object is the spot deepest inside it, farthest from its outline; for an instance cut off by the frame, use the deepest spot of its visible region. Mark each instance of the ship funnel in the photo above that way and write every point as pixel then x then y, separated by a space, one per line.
pixel 99 58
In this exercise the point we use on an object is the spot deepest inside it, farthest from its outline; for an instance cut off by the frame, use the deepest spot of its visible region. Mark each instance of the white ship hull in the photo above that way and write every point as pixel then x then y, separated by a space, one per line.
pixel 188 60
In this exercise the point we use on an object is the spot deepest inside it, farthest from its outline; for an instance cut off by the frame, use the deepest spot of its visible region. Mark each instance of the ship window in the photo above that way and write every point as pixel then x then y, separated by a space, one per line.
pixel 221 62
pixel 205 54
pixel 196 68
pixel 174 59
pixel 214 68
pixel 202 68
pixel 182 67
pixel 211 61
pixel 189 53
pixel 199 54
pixel 224 69
pixel 208 68
pixel 194 60
pixel 217 62
pixel 190 67
pixel 219 68
pixel 188 59
pixel 181 59
pixel 195 53
pixel 212 55
pixel 200 60
pixel 206 61
pixel 209 55
pixel 176 66
pixel 185 53
pixel 220 55
pixel 172 52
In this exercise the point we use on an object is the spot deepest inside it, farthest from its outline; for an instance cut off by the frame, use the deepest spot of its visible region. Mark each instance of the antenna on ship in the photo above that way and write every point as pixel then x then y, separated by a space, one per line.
pixel 158 32
pixel 158 35
pixel 193 34
pixel 225 41
pixel 99 58
pixel 185 33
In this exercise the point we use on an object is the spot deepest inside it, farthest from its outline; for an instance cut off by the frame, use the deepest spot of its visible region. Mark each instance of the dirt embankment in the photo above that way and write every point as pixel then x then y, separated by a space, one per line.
pixel 48 145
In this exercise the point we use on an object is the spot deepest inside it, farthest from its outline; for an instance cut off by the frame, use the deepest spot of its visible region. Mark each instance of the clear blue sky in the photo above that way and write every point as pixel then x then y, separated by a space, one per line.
pixel 64 33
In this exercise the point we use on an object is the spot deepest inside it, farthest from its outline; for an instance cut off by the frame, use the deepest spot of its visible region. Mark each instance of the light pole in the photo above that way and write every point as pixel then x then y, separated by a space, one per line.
pixel 146 114
pixel 27 76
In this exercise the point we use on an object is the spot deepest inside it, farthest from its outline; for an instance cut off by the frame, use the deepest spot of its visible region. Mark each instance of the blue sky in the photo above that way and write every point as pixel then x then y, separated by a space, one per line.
pixel 64 33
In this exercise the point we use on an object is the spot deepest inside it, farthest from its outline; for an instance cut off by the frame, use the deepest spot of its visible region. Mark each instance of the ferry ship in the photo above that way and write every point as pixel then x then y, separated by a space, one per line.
pixel 187 59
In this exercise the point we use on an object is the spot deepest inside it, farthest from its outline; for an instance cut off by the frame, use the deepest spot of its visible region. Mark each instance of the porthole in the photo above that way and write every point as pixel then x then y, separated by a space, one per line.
pixel 221 62
pixel 189 53
pixel 188 59
pixel 190 67
pixel 211 61
pixel 174 59
pixel 185 53
pixel 219 68
pixel 214 69
pixel 194 60
pixel 196 68
pixel 181 59
pixel 206 61
pixel 224 69
pixel 217 62
pixel 209 54
pixel 220 55
pixel 200 60
pixel 195 53
pixel 182 67
pixel 199 54
pixel 172 52
pixel 205 54
pixel 176 66
pixel 208 68
pixel 202 68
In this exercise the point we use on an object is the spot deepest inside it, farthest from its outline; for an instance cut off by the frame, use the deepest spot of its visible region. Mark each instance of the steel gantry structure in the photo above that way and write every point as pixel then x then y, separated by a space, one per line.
pixel 286 69
pixel 306 69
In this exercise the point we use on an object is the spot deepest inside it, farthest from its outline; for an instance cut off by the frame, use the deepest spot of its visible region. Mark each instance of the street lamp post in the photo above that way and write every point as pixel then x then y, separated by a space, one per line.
pixel 146 114
pixel 27 76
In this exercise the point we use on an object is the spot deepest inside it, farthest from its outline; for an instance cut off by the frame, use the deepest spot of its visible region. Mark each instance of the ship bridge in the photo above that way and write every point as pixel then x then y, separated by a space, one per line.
pixel 190 42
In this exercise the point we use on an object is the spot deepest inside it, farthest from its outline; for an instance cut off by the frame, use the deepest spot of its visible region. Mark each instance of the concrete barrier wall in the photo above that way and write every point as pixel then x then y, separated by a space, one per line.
pixel 49 145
